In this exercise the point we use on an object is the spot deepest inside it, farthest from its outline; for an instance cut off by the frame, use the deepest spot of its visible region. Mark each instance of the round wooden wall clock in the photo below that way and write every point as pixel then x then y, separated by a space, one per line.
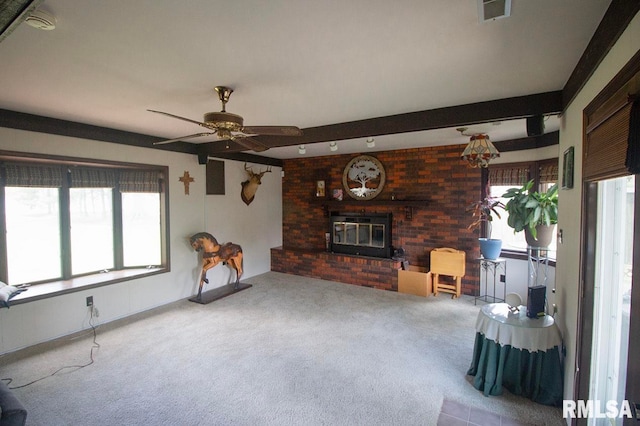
pixel 363 177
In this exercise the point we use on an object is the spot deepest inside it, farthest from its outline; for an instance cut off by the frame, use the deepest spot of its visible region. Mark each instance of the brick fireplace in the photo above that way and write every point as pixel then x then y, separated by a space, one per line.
pixel 431 190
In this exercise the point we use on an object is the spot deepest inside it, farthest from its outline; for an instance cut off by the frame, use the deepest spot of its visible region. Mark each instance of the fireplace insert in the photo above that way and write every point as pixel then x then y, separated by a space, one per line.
pixel 361 234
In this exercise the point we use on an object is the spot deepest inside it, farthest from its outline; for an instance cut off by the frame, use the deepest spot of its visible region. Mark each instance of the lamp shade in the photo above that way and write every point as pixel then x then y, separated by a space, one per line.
pixel 480 151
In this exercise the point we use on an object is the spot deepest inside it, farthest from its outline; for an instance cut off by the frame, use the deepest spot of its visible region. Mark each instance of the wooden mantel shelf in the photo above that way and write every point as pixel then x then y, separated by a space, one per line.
pixel 408 205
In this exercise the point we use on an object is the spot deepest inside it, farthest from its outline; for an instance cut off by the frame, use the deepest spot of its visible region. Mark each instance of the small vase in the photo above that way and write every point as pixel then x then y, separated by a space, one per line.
pixel 490 248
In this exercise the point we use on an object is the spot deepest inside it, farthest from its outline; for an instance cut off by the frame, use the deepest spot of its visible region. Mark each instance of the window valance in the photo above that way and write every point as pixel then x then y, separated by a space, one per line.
pixel 56 175
pixel 502 176
pixel 21 174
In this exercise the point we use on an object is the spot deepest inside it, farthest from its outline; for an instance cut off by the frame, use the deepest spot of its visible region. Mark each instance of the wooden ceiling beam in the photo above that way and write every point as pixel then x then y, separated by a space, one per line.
pixel 614 22
pixel 461 115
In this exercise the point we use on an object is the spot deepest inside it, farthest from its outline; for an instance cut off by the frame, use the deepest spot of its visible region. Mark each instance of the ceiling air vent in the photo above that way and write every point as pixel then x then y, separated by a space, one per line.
pixel 490 10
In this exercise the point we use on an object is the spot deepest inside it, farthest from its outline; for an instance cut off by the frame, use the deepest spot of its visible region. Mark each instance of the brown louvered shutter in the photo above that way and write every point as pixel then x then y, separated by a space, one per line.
pixel 549 171
pixel 517 174
pixel 606 143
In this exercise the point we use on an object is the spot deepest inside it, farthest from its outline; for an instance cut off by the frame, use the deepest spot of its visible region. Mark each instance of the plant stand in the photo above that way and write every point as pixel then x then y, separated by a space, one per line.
pixel 538 265
pixel 495 270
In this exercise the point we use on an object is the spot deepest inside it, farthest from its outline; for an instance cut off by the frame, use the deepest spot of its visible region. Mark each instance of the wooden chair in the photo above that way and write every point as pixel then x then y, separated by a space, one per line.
pixel 449 262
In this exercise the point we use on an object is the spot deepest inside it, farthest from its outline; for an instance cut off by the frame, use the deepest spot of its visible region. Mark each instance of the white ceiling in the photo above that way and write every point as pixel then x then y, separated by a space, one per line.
pixel 290 62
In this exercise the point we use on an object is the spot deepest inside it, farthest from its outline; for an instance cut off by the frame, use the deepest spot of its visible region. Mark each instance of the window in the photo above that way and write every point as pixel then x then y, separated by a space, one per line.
pixel 32 218
pixel 141 225
pixel 63 220
pixel 500 178
pixel 91 213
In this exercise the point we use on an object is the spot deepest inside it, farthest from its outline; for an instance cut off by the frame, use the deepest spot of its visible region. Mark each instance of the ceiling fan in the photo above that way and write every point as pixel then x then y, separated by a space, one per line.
pixel 230 127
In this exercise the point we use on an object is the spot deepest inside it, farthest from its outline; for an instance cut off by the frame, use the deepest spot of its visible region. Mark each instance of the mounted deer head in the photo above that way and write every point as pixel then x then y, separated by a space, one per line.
pixel 249 187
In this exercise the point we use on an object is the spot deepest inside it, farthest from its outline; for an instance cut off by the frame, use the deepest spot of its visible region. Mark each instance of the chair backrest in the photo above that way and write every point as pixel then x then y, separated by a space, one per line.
pixel 448 261
pixel 513 299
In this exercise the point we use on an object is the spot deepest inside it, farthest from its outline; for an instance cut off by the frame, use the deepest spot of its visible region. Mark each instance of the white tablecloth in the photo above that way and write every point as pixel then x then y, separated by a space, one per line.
pixel 497 323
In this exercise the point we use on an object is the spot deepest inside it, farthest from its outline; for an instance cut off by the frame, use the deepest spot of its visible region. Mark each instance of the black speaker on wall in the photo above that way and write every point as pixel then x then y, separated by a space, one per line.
pixel 535 301
pixel 203 158
pixel 535 125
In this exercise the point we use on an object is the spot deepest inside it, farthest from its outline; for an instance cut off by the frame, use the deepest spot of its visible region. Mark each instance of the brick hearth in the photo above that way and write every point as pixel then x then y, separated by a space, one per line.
pixel 364 271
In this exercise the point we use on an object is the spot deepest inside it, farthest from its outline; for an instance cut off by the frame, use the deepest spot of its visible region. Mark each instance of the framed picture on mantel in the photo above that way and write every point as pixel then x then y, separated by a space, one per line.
pixel 320 188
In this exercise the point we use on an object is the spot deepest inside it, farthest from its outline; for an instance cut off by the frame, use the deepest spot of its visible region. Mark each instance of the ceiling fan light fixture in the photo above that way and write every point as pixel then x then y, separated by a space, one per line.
pixel 223 120
pixel 230 127
pixel 479 151
pixel 333 146
pixel 302 150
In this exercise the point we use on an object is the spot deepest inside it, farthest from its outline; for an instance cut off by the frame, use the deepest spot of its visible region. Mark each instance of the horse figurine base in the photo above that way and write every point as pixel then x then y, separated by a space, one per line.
pixel 218 293
pixel 212 254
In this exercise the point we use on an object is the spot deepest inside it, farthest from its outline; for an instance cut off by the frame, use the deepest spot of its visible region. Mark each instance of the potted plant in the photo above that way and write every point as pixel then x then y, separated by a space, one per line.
pixel 482 213
pixel 534 212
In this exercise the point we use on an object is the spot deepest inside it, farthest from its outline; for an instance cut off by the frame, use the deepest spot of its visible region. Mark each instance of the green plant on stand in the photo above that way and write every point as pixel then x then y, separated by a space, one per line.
pixel 482 213
pixel 532 212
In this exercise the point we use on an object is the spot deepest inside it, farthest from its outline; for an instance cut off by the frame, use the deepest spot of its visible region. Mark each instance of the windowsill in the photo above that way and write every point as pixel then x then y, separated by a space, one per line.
pixel 57 288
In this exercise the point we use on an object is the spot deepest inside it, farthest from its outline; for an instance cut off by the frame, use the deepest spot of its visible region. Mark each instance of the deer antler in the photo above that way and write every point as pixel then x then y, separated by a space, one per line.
pixel 252 173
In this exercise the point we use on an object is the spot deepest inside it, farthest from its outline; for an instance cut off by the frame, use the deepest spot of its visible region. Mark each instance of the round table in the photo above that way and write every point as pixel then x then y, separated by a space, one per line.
pixel 518 353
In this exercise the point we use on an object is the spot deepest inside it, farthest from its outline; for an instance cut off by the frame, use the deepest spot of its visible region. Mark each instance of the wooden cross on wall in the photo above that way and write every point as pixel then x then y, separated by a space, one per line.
pixel 186 179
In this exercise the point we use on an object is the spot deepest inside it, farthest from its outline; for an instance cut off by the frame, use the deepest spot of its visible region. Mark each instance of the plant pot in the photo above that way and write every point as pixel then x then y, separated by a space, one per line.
pixel 490 248
pixel 544 234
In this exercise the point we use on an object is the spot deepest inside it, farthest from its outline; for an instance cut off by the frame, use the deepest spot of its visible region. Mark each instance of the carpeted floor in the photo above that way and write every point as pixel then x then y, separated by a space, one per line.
pixel 288 351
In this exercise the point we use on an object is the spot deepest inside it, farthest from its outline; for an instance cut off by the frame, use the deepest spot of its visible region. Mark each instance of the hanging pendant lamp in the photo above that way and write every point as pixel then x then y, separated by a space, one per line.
pixel 479 151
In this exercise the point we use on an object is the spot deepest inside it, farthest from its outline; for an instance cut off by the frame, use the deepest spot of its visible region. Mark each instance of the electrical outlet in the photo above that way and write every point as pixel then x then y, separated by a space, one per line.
pixel 503 278
pixel 90 301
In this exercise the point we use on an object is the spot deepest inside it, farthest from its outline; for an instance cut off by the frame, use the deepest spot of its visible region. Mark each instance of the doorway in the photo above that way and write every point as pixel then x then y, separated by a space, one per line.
pixel 612 292
pixel 607 368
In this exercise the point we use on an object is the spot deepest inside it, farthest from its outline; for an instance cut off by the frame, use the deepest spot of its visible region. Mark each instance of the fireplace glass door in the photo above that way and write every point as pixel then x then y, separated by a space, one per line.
pixel 367 236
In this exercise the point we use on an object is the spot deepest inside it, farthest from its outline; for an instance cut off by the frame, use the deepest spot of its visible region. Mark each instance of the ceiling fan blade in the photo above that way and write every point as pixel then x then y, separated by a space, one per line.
pixel 178 117
pixel 184 137
pixel 250 143
pixel 273 130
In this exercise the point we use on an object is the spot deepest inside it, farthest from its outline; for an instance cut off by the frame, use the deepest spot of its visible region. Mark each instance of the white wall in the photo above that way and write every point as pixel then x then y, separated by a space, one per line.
pixel 256 227
pixel 570 200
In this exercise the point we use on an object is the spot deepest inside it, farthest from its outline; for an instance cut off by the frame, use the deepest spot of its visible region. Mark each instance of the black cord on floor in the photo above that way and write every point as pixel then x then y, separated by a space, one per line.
pixel 95 345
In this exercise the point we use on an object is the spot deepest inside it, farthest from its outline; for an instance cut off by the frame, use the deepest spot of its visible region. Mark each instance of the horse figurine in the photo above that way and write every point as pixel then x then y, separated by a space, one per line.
pixel 213 253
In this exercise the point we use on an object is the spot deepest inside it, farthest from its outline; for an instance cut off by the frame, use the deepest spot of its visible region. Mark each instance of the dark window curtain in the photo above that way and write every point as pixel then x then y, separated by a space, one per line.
pixel 92 177
pixel 140 181
pixel 43 176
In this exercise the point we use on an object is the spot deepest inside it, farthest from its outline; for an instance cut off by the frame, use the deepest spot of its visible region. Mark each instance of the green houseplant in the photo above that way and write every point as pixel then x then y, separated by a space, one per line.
pixel 533 212
pixel 482 213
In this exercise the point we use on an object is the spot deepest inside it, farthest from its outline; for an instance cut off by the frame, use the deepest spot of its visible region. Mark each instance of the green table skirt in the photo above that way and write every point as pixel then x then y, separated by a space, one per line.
pixel 535 375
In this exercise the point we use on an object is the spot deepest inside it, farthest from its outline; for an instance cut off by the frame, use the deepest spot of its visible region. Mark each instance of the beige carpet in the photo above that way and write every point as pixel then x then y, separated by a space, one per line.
pixel 288 351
